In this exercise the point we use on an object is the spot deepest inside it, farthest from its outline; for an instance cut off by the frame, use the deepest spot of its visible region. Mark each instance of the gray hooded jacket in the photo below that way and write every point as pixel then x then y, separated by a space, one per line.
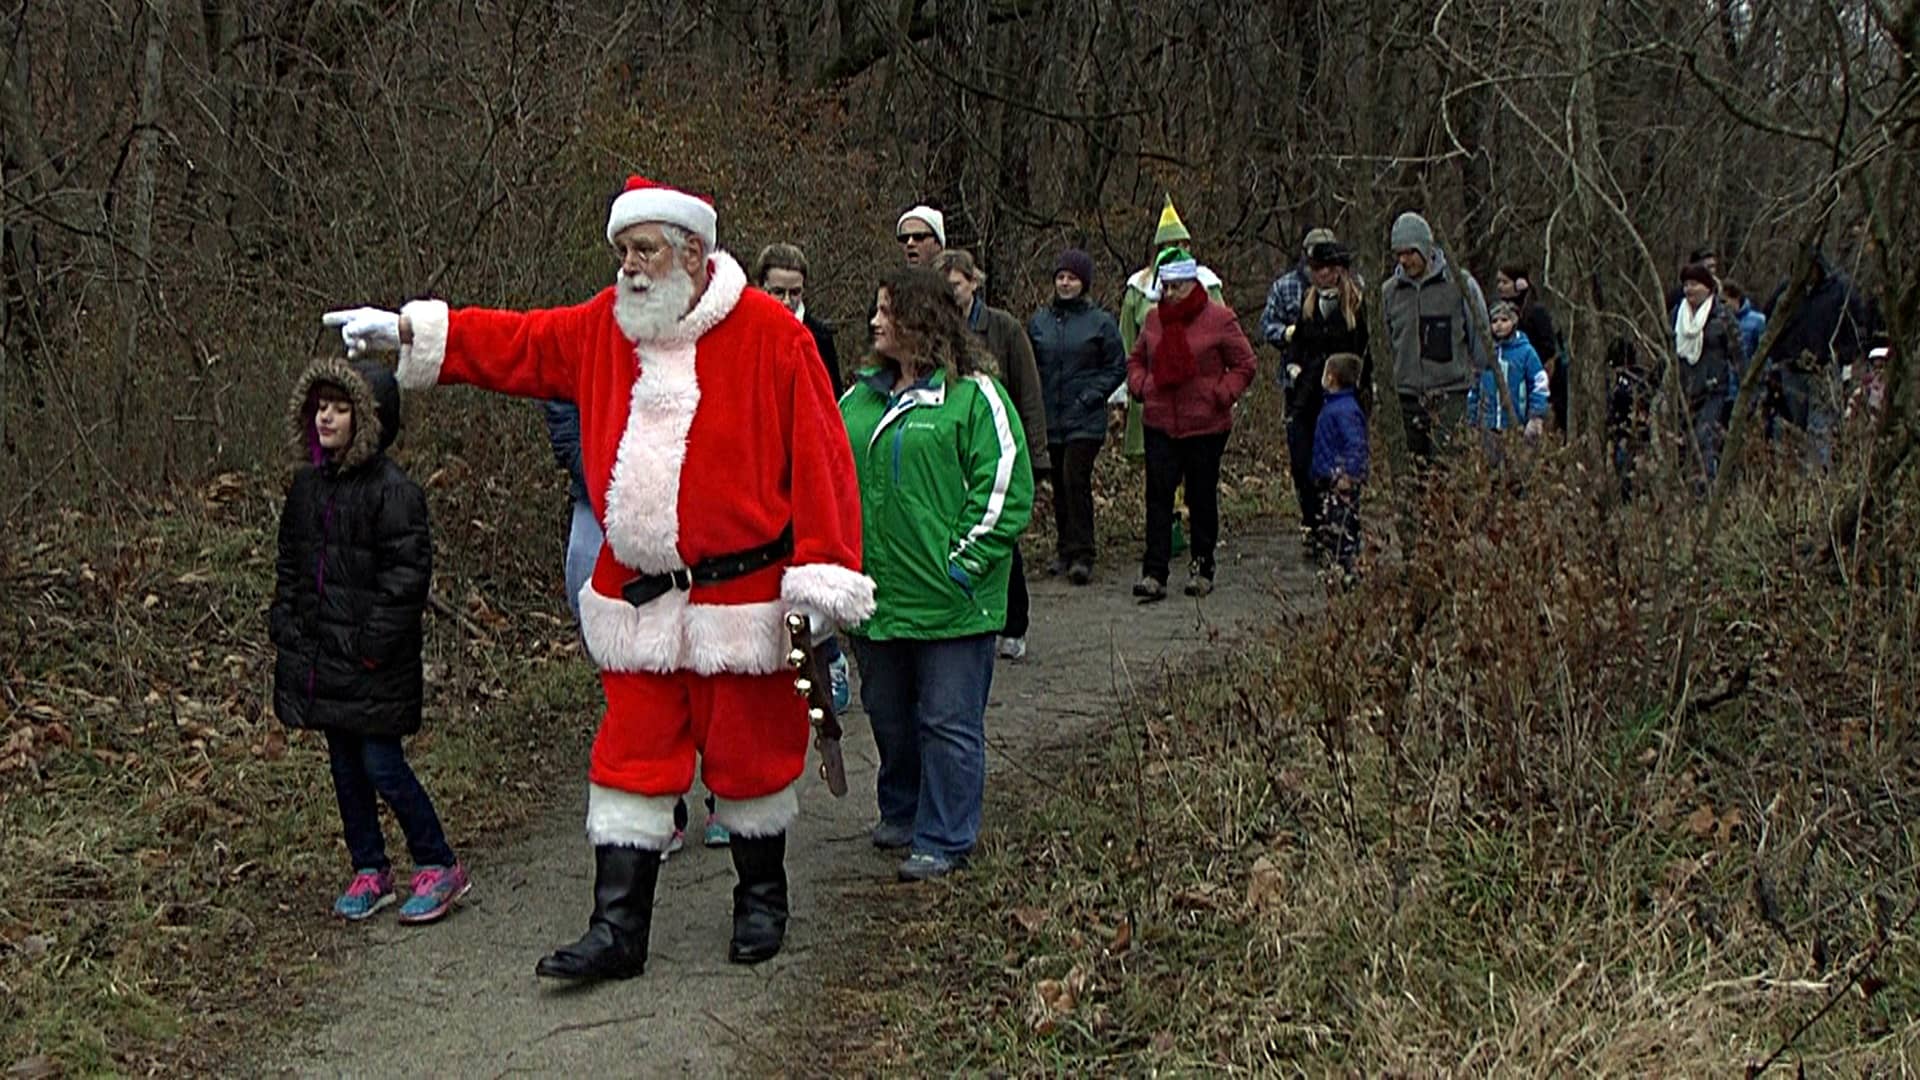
pixel 1433 330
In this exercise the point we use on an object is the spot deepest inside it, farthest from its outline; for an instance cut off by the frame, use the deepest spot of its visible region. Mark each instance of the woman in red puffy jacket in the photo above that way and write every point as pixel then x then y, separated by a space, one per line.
pixel 1188 367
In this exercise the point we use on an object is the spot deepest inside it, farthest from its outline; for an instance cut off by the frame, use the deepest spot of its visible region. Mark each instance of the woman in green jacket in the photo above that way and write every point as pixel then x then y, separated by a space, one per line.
pixel 945 490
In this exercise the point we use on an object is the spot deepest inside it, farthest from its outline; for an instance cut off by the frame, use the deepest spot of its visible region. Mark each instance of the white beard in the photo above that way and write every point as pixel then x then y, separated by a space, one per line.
pixel 652 312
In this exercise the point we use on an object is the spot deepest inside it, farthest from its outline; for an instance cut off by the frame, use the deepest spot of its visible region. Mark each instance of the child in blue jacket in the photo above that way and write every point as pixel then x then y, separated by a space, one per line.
pixel 1340 459
pixel 1526 379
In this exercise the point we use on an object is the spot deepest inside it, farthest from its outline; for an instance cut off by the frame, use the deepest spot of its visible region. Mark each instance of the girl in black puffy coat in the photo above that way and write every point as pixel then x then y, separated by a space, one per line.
pixel 356 554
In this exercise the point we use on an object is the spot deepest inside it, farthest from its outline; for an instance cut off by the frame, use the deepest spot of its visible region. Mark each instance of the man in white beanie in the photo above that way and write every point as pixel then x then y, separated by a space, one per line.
pixel 922 232
pixel 701 405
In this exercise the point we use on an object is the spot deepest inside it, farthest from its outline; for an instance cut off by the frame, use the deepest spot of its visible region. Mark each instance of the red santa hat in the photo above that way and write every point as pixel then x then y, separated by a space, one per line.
pixel 644 200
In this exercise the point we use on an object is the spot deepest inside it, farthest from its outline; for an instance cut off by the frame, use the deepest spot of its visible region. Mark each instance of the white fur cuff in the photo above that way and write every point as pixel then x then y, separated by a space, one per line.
pixel 420 362
pixel 842 595
pixel 623 819
pixel 769 815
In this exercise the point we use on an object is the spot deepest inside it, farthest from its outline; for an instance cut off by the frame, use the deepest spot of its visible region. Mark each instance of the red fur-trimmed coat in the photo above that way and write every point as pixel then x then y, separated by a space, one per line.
pixel 705 444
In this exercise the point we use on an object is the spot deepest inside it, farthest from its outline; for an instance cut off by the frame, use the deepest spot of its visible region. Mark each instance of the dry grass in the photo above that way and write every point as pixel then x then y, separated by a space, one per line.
pixel 1450 825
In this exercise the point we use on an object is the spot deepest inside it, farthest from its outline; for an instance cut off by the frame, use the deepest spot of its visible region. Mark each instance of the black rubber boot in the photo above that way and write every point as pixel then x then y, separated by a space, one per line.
pixel 615 944
pixel 760 899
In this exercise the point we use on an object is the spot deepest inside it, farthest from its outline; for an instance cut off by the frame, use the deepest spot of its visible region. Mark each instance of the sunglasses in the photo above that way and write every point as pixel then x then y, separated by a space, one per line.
pixel 914 237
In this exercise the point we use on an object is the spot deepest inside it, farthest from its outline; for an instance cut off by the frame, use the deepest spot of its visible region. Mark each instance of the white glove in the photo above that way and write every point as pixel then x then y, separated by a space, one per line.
pixel 366 329
pixel 1119 395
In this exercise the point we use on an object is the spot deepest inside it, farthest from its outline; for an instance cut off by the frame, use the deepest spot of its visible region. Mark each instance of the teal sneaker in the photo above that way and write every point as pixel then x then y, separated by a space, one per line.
pixel 717 834
pixel 435 888
pixel 841 683
pixel 370 891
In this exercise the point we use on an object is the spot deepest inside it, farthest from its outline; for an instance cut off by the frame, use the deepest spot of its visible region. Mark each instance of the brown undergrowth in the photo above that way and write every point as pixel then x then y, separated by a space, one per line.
pixel 1454 823
pixel 169 850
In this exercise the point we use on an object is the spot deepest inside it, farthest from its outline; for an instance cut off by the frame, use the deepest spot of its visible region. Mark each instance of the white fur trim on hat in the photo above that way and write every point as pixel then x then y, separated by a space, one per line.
pixel 935 220
pixel 625 819
pixel 665 205
pixel 842 595
pixel 769 815
pixel 420 362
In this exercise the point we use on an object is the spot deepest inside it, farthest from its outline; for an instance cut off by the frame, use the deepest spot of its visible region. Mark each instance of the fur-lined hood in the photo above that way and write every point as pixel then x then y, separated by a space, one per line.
pixel 376 410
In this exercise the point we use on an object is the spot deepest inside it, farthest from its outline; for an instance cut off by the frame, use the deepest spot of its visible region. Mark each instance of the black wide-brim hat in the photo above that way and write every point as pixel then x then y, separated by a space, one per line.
pixel 1329 253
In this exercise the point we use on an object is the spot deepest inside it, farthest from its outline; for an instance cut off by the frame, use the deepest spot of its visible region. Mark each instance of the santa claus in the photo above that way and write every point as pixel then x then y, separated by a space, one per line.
pixel 701 406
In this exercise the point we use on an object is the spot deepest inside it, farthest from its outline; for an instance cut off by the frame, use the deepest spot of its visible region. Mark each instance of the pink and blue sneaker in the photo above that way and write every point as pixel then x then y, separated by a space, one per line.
pixel 435 888
pixel 370 891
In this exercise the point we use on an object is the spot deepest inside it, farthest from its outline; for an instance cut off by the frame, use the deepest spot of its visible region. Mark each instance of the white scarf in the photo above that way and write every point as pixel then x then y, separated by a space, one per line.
pixel 1690 329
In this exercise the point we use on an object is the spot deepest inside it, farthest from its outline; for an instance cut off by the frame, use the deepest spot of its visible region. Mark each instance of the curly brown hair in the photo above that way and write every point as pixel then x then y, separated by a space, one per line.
pixel 928 330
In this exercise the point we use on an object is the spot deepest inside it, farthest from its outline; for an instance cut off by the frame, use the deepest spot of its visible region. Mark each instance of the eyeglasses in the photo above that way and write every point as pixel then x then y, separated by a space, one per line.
pixel 914 237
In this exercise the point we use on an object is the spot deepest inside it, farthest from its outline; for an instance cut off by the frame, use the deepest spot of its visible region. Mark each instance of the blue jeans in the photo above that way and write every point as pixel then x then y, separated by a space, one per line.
pixel 364 765
pixel 927 701
pixel 583 550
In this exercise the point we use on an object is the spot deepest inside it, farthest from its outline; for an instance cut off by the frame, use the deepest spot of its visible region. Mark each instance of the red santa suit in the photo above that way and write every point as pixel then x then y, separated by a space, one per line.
pixel 705 444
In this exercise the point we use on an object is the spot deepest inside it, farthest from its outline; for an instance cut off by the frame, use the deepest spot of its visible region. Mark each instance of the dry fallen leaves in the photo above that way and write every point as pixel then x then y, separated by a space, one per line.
pixel 1055 999
pixel 1701 822
pixel 37 1067
pixel 1266 884
pixel 1030 919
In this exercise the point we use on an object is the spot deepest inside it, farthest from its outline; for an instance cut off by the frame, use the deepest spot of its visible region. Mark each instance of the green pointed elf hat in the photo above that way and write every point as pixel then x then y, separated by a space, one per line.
pixel 1171 229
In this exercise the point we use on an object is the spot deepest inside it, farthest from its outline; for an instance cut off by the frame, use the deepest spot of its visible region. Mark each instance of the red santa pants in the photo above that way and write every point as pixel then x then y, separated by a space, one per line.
pixel 750 731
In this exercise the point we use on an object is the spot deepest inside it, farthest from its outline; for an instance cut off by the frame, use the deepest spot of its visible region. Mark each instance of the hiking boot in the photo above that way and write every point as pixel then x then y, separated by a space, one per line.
pixel 369 891
pixel 1199 580
pixel 1057 566
pixel 1013 648
pixel 1149 589
pixel 1080 572
pixel 717 834
pixel 435 888
pixel 760 898
pixel 615 944
pixel 886 835
pixel 840 683
pixel 921 866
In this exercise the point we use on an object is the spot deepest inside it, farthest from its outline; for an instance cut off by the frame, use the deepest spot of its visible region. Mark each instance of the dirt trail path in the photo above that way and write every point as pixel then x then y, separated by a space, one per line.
pixel 461 999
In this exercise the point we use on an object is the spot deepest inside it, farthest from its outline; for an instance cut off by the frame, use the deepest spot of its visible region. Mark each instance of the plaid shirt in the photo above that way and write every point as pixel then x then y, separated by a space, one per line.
pixel 1283 305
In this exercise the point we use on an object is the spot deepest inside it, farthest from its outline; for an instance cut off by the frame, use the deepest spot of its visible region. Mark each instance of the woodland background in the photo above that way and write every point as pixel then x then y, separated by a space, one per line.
pixel 188 185
pixel 1567 783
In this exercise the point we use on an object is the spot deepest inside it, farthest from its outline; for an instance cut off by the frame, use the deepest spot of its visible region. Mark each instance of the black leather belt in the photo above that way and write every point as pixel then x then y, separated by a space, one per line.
pixel 650 587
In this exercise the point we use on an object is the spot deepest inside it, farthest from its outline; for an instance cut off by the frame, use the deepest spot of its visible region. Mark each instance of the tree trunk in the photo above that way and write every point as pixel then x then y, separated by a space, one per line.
pixel 138 224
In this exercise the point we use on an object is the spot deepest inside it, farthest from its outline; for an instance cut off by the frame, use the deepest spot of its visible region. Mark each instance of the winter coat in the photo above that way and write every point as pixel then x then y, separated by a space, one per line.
pixel 1006 340
pixel 1830 323
pixel 1752 325
pixel 1076 346
pixel 1434 329
pixel 1340 439
pixel 1537 323
pixel 1706 380
pixel 1315 338
pixel 822 332
pixel 563 434
pixel 1202 405
pixel 945 491
pixel 1526 382
pixel 355 559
